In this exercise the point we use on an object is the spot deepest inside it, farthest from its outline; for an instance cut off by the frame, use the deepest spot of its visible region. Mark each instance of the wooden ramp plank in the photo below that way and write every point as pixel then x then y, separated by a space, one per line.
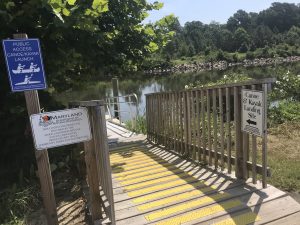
pixel 275 211
pixel 292 219
pixel 199 213
pixel 154 186
pixel 181 197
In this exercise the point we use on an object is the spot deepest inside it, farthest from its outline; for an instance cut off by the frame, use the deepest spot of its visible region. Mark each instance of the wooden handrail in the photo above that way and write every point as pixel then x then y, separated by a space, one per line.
pixel 239 84
pixel 205 125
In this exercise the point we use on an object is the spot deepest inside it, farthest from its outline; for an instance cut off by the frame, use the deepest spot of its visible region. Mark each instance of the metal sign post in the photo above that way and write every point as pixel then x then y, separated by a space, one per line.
pixel 26 73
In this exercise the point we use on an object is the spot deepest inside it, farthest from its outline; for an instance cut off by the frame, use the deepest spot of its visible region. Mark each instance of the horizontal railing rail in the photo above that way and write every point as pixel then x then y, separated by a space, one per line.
pixel 113 104
pixel 204 125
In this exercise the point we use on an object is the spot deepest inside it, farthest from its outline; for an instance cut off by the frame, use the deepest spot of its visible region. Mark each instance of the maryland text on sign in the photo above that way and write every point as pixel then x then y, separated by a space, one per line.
pixel 60 128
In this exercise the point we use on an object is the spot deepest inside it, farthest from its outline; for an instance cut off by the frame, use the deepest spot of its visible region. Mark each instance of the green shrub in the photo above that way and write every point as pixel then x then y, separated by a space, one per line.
pixel 249 55
pixel 286 111
pixel 140 126
pixel 17 203
pixel 287 86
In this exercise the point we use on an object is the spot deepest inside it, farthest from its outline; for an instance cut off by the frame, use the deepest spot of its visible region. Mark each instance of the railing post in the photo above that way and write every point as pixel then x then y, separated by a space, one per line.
pixel 104 153
pixel 98 162
pixel 238 134
pixel 265 139
pixel 115 86
pixel 93 182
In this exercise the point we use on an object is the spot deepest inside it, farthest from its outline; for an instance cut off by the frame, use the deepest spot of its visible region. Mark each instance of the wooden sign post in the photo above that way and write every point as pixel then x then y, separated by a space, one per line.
pixel 44 172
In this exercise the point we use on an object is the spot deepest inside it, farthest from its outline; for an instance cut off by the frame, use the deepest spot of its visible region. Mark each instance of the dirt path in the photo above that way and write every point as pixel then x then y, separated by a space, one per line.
pixel 69 199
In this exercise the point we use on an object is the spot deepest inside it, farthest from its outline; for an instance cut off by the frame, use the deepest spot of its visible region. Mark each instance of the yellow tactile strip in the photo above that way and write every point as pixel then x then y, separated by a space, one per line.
pixel 185 206
pixel 156 181
pixel 146 173
pixel 127 167
pixel 175 190
pixel 163 186
pixel 148 178
pixel 197 214
pixel 142 169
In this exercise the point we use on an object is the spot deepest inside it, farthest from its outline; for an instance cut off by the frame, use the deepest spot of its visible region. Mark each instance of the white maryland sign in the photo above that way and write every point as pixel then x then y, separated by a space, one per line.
pixel 58 128
pixel 253 112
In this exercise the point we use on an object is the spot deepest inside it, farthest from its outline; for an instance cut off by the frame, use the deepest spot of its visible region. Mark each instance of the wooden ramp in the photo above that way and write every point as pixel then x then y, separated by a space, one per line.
pixel 154 186
pixel 118 134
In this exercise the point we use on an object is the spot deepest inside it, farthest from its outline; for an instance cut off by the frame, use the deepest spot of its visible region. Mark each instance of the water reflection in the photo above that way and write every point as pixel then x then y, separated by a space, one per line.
pixel 141 86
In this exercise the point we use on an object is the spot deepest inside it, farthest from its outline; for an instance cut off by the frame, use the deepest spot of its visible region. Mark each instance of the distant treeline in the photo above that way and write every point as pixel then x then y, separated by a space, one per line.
pixel 276 27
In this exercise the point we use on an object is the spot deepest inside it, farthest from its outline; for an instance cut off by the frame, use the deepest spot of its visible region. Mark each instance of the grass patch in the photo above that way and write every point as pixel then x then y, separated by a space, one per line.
pixel 284 156
pixel 17 203
pixel 139 126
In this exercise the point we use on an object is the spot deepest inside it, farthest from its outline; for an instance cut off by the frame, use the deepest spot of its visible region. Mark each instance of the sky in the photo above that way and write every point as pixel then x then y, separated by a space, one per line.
pixel 207 11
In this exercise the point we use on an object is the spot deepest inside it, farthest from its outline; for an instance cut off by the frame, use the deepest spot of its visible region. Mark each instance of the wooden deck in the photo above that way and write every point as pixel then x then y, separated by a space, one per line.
pixel 154 186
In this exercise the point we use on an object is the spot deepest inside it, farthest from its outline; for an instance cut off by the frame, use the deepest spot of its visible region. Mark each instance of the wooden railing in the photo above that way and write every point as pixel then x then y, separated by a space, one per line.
pixel 97 163
pixel 204 125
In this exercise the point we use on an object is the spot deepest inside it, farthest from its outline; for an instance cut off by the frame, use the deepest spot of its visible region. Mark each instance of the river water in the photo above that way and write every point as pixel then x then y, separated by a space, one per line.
pixel 141 85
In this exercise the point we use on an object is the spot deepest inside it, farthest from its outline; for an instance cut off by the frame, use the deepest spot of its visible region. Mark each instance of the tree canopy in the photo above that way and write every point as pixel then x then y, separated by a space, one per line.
pixel 279 24
pixel 81 40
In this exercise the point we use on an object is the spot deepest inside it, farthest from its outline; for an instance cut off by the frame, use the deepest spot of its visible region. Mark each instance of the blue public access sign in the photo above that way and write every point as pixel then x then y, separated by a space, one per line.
pixel 24 64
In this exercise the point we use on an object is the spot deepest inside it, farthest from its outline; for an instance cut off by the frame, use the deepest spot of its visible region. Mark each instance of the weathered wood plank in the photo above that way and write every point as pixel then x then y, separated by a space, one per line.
pixel 93 182
pixel 265 137
pixel 254 152
pixel 228 129
pixel 203 127
pixel 238 134
pixel 208 108
pixel 182 118
pixel 189 123
pixel 230 188
pixel 221 127
pixel 292 219
pixel 215 128
pixel 193 126
pixel 245 150
pixel 198 119
pixel 269 209
pixel 186 126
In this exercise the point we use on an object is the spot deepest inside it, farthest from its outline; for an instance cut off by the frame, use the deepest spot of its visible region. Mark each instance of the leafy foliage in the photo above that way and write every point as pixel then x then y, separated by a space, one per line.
pixel 286 111
pixel 140 126
pixel 17 203
pixel 81 41
pixel 287 86
pixel 243 31
pixel 226 79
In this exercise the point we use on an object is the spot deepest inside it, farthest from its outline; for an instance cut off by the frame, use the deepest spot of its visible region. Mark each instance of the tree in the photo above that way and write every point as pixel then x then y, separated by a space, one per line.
pixel 241 38
pixel 81 41
pixel 281 16
pixel 262 36
pixel 239 19
pixel 193 32
pixel 293 36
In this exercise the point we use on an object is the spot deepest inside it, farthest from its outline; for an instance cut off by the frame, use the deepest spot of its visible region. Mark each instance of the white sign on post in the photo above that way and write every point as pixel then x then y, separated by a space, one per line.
pixel 253 112
pixel 58 128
